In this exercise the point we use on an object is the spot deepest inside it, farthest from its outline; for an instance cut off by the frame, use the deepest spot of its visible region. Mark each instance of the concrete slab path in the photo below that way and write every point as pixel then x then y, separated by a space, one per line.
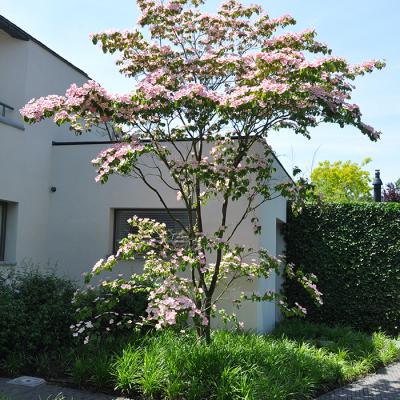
pixel 48 392
pixel 384 385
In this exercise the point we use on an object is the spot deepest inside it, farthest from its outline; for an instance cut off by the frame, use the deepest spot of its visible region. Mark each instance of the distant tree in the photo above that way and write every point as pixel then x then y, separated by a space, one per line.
pixel 342 181
pixel 392 192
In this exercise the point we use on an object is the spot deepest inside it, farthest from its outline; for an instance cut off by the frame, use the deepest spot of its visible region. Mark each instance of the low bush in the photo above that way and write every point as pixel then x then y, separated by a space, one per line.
pixel 37 310
pixel 35 315
pixel 105 311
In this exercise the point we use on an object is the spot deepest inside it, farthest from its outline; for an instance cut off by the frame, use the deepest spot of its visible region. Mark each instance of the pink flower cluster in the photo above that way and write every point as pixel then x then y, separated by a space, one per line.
pixel 291 58
pixel 370 131
pixel 321 61
pixel 290 37
pixel 173 6
pixel 109 160
pixel 369 65
pixel 36 108
pixel 63 106
pixel 196 89
pixel 170 300
pixel 351 107
pixel 152 90
pixel 312 288
pixel 269 85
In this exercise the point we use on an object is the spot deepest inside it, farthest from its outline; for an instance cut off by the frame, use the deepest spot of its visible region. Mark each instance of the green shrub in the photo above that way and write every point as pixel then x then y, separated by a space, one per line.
pixel 35 315
pixel 37 310
pixel 354 250
pixel 98 305
pixel 10 321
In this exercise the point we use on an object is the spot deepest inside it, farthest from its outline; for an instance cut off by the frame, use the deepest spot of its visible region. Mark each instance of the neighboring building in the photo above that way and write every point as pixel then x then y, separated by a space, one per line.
pixel 51 209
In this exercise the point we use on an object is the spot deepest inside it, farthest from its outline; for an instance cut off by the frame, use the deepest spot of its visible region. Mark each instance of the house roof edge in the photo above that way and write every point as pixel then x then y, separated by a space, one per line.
pixel 18 33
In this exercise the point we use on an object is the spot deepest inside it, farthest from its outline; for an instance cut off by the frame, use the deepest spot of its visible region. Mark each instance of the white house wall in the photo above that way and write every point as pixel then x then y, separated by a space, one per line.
pixel 272 213
pixel 82 205
pixel 26 71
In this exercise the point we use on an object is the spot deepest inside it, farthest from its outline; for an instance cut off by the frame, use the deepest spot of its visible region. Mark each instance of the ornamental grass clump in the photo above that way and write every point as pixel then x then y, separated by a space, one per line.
pixel 297 362
pixel 222 83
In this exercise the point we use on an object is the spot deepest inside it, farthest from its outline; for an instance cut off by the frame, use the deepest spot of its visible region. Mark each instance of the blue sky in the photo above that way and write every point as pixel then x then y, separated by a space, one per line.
pixel 358 30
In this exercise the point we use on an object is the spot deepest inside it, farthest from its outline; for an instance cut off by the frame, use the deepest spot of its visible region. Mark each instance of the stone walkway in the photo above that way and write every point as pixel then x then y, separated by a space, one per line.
pixel 47 392
pixel 384 385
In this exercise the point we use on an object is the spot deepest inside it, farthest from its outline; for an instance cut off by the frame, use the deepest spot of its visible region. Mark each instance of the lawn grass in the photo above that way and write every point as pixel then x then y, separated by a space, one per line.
pixel 298 361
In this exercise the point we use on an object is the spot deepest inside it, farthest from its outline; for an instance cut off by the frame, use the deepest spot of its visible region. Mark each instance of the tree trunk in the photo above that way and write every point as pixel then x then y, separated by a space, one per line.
pixel 207 328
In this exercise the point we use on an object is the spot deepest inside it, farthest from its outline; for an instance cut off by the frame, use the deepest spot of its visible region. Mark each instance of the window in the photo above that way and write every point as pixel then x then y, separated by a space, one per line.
pixel 122 228
pixel 3 224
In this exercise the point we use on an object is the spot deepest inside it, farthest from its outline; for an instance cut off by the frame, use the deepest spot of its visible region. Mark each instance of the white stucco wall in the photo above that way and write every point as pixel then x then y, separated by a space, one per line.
pixel 89 206
pixel 26 71
pixel 271 214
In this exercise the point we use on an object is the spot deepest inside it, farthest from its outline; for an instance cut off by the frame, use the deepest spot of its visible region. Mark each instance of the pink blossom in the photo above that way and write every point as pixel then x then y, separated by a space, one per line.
pixel 126 286
pixel 271 86
pixel 98 265
pixel 195 89
pixel 351 107
pixel 300 308
pixel 173 6
pixel 170 317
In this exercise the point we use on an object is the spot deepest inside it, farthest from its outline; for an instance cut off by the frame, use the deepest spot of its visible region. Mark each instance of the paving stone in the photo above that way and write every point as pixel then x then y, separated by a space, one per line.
pixel 384 385
pixel 30 381
pixel 49 392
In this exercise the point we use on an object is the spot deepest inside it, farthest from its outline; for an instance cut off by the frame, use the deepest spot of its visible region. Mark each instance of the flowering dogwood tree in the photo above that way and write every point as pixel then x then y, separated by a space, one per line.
pixel 223 80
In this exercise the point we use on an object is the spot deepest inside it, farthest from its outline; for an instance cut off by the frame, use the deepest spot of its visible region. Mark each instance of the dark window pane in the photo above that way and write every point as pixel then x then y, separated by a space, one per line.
pixel 122 228
pixel 3 219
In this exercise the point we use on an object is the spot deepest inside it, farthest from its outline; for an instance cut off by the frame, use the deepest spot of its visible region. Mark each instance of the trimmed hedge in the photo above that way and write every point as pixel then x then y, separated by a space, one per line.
pixel 354 249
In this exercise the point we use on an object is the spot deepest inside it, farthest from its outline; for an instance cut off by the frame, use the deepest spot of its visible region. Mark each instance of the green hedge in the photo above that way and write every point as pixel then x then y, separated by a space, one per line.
pixel 354 249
